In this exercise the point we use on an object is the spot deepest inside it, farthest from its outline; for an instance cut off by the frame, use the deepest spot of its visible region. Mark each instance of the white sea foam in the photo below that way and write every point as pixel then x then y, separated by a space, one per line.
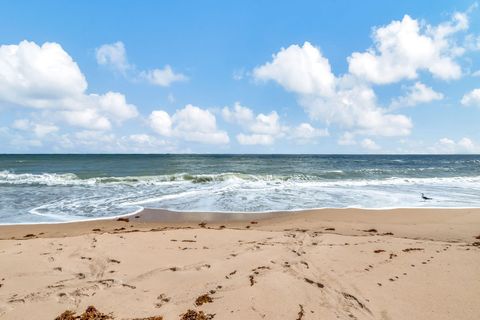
pixel 67 197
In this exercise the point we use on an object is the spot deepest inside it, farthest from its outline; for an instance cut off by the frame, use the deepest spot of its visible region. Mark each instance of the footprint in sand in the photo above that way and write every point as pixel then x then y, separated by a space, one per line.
pixel 163 299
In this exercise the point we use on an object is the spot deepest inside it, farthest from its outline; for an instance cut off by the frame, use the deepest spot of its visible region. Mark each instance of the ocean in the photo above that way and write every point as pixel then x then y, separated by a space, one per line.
pixel 55 188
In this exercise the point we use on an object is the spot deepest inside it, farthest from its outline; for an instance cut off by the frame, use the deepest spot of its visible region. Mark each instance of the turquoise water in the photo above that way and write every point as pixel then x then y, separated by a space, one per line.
pixel 40 188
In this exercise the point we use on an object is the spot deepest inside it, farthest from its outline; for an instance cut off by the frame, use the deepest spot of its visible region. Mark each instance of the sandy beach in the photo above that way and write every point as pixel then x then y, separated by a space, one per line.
pixel 317 264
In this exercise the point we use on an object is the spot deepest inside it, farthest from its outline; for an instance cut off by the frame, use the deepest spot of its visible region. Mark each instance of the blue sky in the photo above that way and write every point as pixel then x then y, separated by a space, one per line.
pixel 240 77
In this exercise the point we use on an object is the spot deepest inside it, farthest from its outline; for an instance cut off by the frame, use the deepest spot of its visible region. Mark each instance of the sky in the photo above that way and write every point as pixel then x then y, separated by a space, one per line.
pixel 316 77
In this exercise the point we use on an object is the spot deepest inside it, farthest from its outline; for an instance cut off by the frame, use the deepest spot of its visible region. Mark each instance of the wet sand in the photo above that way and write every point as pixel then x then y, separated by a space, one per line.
pixel 315 264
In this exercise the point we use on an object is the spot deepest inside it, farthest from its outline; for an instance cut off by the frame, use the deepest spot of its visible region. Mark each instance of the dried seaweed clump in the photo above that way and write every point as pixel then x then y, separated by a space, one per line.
pixel 90 314
pixel 204 298
pixel 194 315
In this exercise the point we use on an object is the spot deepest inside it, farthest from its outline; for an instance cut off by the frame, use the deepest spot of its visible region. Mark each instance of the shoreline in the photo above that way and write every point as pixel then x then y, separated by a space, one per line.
pixel 234 213
pixel 149 219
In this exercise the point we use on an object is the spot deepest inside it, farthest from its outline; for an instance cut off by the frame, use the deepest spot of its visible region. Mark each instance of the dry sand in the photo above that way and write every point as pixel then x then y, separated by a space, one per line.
pixel 318 264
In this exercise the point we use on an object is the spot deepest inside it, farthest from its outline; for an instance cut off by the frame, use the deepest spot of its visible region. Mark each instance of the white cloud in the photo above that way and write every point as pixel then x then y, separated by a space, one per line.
pixel 42 130
pixel 416 94
pixel 472 98
pixel 266 124
pixel 347 139
pixel 355 106
pixel 402 48
pixel 190 123
pixel 305 131
pixel 238 114
pixel 39 129
pixel 446 145
pixel 344 101
pixel 369 144
pixel 21 124
pixel 300 69
pixel 142 141
pixel 88 119
pixel 39 76
pixel 163 77
pixel 45 77
pixel 161 122
pixel 255 139
pixel 113 55
pixel 115 104
pixel 264 129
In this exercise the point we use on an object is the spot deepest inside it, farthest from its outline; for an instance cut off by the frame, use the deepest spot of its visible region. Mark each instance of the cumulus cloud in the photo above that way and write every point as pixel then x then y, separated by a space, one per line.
pixel 447 145
pixel 45 77
pixel 163 77
pixel 39 129
pixel 340 100
pixel 402 48
pixel 369 144
pixel 161 123
pixel 305 131
pixel 39 76
pixel 264 129
pixel 347 139
pixel 255 139
pixel 300 69
pixel 114 56
pixel 190 123
pixel 471 98
pixel 416 94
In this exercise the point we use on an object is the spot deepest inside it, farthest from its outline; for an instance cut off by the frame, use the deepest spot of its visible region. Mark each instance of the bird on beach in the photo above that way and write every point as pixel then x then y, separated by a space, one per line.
pixel 425 198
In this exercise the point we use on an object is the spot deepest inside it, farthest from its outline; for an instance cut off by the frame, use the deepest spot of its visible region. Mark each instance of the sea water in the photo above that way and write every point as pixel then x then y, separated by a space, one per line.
pixel 54 188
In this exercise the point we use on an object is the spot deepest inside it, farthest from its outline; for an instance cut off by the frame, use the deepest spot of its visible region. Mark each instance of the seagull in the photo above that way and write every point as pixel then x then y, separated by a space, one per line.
pixel 425 198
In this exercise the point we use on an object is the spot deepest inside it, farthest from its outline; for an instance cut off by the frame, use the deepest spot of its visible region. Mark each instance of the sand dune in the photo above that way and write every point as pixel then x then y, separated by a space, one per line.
pixel 328 264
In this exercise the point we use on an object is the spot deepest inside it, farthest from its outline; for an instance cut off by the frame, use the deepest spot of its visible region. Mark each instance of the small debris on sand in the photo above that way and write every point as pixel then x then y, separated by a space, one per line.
pixel 204 298
pixel 314 282
pixel 352 297
pixel 301 313
pixel 329 229
pixel 371 230
pixel 412 249
pixel 252 280
pixel 194 315
pixel 123 219
pixel 379 251
pixel 113 261
pixel 90 314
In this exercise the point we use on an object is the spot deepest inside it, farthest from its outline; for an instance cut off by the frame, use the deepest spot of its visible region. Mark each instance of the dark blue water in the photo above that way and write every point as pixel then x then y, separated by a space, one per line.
pixel 38 188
